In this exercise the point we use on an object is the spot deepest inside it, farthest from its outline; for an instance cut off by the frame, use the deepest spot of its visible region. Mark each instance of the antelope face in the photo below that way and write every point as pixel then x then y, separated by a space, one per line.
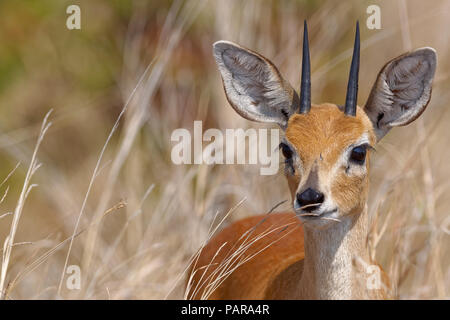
pixel 326 162
pixel 326 148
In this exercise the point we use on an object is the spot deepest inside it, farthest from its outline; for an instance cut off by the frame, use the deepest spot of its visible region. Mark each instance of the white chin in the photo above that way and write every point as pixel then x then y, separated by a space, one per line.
pixel 321 221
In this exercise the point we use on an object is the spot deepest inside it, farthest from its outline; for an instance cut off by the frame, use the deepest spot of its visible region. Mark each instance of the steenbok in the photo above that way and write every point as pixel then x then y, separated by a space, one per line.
pixel 320 250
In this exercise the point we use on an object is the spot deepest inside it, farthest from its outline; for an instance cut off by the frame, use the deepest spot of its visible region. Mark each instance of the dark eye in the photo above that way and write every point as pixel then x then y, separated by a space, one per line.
pixel 287 152
pixel 358 154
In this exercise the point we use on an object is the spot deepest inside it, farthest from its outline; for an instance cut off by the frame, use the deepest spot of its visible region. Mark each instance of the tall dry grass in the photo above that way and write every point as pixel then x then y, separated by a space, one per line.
pixel 110 200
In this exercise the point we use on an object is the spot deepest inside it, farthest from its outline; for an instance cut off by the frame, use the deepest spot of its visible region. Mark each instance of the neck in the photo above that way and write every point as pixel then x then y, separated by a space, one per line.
pixel 329 265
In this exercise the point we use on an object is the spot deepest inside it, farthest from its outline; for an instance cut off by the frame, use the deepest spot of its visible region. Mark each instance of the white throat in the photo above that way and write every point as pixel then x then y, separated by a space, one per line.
pixel 329 271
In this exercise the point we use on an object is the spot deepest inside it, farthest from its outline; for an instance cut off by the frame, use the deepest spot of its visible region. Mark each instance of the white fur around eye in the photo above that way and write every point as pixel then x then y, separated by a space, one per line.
pixel 345 163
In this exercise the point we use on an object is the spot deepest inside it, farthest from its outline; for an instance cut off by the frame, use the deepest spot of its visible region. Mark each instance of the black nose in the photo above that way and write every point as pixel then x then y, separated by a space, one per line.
pixel 309 197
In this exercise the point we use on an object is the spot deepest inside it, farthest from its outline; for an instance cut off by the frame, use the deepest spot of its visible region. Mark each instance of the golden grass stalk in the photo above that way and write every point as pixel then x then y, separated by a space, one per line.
pixel 26 188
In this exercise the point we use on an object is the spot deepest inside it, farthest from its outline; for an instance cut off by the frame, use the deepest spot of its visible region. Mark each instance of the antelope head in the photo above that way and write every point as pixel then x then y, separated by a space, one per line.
pixel 326 147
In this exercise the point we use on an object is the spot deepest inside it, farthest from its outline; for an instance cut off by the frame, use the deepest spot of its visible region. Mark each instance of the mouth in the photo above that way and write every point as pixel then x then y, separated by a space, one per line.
pixel 309 216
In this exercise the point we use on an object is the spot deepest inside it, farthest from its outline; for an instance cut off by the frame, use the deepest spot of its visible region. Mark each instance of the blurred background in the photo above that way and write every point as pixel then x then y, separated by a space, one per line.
pixel 107 197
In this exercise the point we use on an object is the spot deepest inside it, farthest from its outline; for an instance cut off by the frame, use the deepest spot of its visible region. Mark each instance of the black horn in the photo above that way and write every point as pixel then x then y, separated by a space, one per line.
pixel 305 89
pixel 352 87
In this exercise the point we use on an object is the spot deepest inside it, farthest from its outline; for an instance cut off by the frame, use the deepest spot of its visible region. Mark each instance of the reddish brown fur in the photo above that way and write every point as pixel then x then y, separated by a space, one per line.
pixel 251 280
pixel 324 132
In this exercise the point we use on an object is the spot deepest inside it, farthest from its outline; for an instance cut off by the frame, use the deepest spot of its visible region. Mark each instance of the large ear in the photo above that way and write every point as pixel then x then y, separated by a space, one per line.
pixel 254 86
pixel 402 90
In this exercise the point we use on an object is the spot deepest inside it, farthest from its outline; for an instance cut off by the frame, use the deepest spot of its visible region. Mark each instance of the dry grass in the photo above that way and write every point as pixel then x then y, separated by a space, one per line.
pixel 109 198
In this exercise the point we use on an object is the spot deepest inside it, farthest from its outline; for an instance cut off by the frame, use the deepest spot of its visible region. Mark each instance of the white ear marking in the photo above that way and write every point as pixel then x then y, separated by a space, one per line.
pixel 253 85
pixel 402 90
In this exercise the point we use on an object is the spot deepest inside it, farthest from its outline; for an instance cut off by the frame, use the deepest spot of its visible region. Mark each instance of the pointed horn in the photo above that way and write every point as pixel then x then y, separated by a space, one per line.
pixel 305 89
pixel 352 88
